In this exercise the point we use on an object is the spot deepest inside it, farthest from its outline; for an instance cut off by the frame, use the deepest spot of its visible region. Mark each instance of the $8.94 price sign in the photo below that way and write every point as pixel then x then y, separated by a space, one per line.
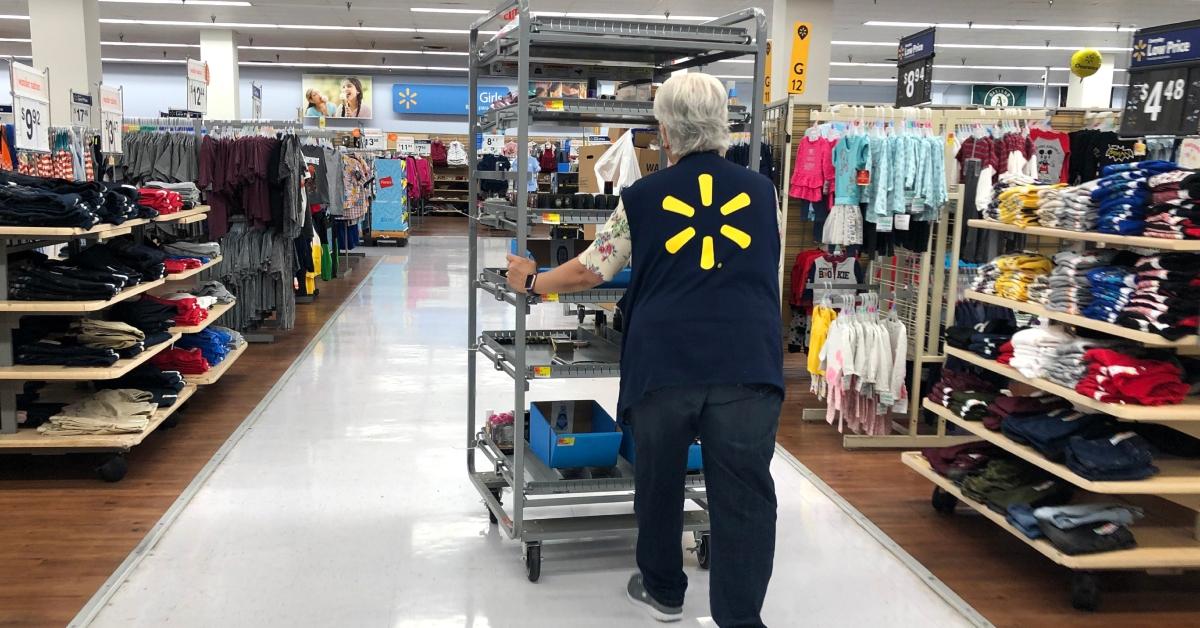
pixel 914 83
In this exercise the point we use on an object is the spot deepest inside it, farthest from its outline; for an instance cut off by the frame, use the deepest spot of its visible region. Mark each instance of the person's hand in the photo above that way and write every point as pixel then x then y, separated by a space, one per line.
pixel 519 269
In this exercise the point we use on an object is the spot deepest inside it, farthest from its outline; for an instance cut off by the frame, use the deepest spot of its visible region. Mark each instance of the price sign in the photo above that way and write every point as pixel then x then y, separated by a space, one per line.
pixel 81 109
pixel 407 146
pixel 112 109
pixel 31 108
pixel 424 148
pixel 374 141
pixel 492 144
pixel 914 69
pixel 197 86
pixel 256 101
pixel 1164 82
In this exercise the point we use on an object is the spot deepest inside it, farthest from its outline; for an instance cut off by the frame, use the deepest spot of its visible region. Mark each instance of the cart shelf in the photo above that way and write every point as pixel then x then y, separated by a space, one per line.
pixel 215 373
pixel 26 372
pixel 492 281
pixel 216 312
pixel 1188 411
pixel 598 355
pixel 503 215
pixel 192 272
pixel 1176 476
pixel 1087 236
pixel 1184 345
pixel 68 307
pixel 30 440
pixel 1159 547
pixel 586 112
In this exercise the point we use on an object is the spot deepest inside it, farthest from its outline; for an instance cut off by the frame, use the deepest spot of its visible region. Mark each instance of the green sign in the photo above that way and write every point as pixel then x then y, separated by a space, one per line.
pixel 998 95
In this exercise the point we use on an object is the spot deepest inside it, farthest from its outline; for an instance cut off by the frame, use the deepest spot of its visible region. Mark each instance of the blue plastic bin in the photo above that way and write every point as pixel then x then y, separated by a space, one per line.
pixel 594 441
pixel 695 460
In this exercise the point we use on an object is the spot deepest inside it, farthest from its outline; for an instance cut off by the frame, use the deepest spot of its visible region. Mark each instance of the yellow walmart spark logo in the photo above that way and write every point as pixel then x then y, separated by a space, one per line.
pixel 1140 51
pixel 407 98
pixel 679 240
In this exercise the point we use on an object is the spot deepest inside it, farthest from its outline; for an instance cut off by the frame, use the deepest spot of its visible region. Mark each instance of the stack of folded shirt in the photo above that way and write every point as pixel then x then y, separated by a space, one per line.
pixel 1005 482
pixel 34 277
pixel 160 200
pixel 1115 377
pixel 165 386
pixel 1006 353
pixel 186 361
pixel 175 265
pixel 1034 349
pixel 1116 457
pixel 1010 276
pixel 971 405
pixel 187 191
pixel 985 278
pixel 952 381
pixel 1112 287
pixel 1086 528
pixel 1070 208
pixel 1167 299
pixel 126 340
pixel 958 461
pixel 234 339
pixel 201 250
pixel 1070 289
pixel 153 318
pixel 216 290
pixel 114 411
pixel 1172 214
pixel 1004 406
pixel 984 338
pixel 1049 432
pixel 1123 194
pixel 214 344
pixel 1068 366
pixel 188 310
pixel 1018 205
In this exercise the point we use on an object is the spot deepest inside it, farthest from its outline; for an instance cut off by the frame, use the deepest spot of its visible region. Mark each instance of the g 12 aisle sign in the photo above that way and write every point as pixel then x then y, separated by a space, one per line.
pixel 81 109
pixel 798 76
pixel 1164 82
pixel 112 109
pixel 31 107
pixel 197 86
pixel 914 69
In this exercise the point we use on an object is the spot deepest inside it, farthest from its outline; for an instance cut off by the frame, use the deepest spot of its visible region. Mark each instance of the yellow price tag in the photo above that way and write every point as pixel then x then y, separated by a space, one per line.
pixel 554 105
pixel 551 218
pixel 566 441
pixel 541 372
pixel 551 297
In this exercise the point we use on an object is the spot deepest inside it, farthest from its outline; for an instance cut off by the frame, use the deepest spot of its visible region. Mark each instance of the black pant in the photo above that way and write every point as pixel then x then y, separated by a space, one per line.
pixel 737 426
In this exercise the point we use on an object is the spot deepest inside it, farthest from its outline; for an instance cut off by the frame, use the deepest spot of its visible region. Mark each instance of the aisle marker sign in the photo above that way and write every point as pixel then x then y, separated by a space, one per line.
pixel 767 77
pixel 798 76
pixel 112 109
pixel 1164 82
pixel 81 109
pixel 914 69
pixel 31 107
pixel 197 86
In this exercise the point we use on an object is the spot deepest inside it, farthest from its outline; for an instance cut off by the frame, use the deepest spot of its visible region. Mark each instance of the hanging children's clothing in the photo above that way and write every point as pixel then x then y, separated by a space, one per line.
pixel 851 156
pixel 864 363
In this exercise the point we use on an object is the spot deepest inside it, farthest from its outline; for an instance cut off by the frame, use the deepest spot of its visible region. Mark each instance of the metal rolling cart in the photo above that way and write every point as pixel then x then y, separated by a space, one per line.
pixel 571 49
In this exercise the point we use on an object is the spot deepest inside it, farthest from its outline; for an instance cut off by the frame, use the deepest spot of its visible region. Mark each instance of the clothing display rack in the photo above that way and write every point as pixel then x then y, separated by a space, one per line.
pixel 638 49
pixel 1165 542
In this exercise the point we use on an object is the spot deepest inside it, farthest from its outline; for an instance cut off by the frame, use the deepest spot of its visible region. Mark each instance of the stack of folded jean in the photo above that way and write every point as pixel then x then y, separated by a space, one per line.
pixel 188 311
pixel 1070 290
pixel 1050 431
pixel 958 461
pixel 160 200
pixel 952 381
pixel 127 340
pixel 1004 406
pixel 204 251
pixel 1085 528
pixel 1006 481
pixel 1112 288
pixel 1167 299
pixel 1034 349
pixel 58 340
pixel 213 344
pixel 52 352
pixel 34 277
pixel 968 404
pixel 1070 208
pixel 113 411
pixel 188 193
pixel 26 207
pixel 165 386
pixel 140 263
pixel 1123 194
pixel 186 361
pixel 217 290
pixel 152 317
pixel 1115 377
pixel 1117 457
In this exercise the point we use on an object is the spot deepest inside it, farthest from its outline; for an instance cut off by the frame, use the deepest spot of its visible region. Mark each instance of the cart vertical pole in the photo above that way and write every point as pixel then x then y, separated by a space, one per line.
pixel 519 380
pixel 472 246
pixel 756 104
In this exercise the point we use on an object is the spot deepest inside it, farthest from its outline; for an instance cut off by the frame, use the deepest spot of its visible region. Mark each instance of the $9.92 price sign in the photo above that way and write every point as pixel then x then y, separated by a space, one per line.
pixel 31 108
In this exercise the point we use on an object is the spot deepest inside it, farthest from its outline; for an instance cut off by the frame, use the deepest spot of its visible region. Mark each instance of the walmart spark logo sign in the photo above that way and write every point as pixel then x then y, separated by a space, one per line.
pixel 707 255
pixel 442 100
pixel 406 98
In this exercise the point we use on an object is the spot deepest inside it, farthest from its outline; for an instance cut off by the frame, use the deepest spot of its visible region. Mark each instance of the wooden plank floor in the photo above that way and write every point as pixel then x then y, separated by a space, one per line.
pixel 64 531
pixel 1005 580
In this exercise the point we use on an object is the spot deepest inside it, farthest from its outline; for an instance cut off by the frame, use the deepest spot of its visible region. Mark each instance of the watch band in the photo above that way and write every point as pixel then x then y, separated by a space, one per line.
pixel 531 283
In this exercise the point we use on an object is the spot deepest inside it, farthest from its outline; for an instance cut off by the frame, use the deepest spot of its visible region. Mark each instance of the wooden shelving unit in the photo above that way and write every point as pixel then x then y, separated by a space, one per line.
pixel 187 216
pixel 192 272
pixel 216 312
pixel 80 307
pixel 31 441
pixel 26 372
pixel 1087 236
pixel 215 373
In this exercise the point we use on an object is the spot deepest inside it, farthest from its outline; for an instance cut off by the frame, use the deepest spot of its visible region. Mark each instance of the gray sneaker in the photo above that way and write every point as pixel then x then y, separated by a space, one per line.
pixel 640 597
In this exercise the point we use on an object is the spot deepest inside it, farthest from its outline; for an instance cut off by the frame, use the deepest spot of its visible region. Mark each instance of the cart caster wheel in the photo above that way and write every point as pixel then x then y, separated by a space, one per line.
pixel 704 550
pixel 943 501
pixel 1085 591
pixel 113 469
pixel 402 243
pixel 533 561
pixel 491 515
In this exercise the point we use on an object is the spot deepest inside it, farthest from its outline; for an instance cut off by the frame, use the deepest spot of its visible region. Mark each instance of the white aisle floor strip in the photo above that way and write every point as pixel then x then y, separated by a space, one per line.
pixel 345 501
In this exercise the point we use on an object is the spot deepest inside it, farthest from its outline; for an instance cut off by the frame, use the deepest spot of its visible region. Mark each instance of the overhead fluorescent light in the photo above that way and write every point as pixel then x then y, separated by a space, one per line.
pixel 301 27
pixel 211 3
pixel 388 51
pixel 893 45
pixel 14 17
pixel 448 10
pixel 609 16
pixel 733 76
pixel 1005 27
pixel 353 66
pixel 119 60
pixel 148 44
pixel 17 40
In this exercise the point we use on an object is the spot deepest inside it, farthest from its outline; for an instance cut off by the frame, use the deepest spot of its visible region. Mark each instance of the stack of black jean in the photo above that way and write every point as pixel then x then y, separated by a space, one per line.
pixel 34 277
pixel 29 207
pixel 31 410
pixel 141 263
pixel 155 319
pixel 1050 432
pixel 1124 456
pixel 107 202
pixel 164 385
pixel 32 348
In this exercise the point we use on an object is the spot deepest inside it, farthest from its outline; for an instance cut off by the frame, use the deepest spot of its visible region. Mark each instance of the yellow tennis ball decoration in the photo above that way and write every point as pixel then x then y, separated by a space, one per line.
pixel 1086 62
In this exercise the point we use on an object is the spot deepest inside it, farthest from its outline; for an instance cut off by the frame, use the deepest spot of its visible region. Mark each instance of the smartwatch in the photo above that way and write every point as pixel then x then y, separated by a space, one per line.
pixel 529 283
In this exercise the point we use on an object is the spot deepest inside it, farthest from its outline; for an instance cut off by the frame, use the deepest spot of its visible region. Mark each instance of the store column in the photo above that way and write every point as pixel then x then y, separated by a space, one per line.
pixel 785 15
pixel 1095 91
pixel 218 48
pixel 53 23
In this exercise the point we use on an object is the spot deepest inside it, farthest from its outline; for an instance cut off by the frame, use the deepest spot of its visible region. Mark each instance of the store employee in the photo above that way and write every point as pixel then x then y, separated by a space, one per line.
pixel 702 352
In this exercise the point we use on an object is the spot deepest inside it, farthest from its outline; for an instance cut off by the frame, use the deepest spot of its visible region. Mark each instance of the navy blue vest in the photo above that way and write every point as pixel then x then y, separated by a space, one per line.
pixel 702 306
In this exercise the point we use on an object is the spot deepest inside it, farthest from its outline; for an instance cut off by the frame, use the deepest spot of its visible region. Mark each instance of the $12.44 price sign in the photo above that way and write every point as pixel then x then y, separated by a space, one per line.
pixel 32 118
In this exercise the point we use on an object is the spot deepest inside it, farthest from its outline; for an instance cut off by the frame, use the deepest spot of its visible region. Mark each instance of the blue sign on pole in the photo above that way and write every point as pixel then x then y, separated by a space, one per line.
pixel 916 46
pixel 445 100
pixel 1173 43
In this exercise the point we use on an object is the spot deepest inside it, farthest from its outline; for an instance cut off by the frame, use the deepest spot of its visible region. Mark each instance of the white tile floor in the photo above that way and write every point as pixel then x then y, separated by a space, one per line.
pixel 347 503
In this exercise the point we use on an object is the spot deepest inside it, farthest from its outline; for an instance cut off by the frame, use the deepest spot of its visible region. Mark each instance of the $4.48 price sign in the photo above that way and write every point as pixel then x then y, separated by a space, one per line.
pixel 32 118
pixel 1162 102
